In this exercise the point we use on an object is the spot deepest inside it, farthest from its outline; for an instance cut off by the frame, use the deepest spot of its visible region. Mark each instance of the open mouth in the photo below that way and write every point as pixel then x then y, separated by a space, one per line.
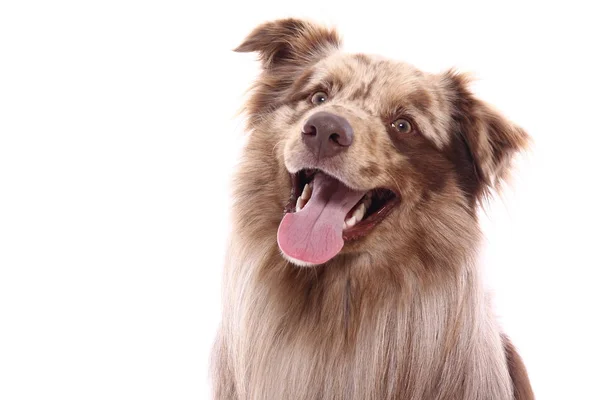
pixel 323 213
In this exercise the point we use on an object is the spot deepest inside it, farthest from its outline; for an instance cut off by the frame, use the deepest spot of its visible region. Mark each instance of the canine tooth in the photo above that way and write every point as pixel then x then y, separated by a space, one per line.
pixel 300 203
pixel 350 222
pixel 306 192
pixel 359 213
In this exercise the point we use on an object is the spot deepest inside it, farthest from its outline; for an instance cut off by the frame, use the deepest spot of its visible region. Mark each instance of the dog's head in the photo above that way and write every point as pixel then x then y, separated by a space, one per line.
pixel 375 152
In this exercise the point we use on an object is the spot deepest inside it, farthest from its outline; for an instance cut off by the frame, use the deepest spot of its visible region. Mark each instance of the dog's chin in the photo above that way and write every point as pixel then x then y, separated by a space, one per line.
pixel 298 263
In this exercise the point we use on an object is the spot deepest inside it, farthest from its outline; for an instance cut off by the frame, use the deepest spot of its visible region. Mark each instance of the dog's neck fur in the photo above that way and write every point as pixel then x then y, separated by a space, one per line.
pixel 324 333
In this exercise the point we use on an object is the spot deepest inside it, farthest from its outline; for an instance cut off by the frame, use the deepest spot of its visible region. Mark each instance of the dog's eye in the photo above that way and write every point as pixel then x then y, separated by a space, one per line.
pixel 319 98
pixel 402 126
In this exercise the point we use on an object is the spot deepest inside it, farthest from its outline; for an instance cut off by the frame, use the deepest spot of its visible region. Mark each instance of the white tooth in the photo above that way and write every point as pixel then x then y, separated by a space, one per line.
pixel 345 225
pixel 350 222
pixel 359 213
pixel 367 202
pixel 300 203
pixel 306 192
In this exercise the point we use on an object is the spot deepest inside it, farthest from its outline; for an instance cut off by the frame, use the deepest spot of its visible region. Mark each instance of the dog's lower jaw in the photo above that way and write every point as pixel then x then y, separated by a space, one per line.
pixel 296 262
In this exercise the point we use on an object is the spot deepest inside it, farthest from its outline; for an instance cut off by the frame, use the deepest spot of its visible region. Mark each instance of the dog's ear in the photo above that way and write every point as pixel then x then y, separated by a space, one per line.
pixel 290 42
pixel 492 140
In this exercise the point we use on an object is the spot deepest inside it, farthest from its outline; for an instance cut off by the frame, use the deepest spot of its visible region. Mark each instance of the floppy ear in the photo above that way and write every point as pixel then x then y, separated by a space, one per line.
pixel 290 41
pixel 492 140
pixel 286 48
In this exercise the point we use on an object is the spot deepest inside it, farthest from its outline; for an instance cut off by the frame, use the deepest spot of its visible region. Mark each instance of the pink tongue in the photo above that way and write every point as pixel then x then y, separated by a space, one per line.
pixel 314 234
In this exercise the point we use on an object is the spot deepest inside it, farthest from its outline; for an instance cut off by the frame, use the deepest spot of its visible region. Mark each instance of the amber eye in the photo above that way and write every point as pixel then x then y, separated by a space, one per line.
pixel 318 98
pixel 402 126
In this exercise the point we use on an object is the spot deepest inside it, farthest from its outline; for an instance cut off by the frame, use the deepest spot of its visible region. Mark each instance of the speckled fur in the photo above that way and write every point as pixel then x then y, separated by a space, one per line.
pixel 399 313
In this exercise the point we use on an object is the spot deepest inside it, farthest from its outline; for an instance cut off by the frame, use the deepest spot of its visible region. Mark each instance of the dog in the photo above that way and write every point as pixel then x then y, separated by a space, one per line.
pixel 352 269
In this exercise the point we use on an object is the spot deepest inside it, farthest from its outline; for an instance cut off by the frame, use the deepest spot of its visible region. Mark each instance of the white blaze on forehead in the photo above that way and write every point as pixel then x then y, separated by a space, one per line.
pixel 381 87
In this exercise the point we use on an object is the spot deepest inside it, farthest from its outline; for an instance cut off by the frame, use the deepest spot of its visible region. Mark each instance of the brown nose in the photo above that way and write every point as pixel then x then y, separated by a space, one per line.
pixel 327 134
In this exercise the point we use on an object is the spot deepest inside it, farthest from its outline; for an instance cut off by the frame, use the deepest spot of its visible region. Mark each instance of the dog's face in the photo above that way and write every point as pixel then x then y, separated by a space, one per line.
pixel 373 151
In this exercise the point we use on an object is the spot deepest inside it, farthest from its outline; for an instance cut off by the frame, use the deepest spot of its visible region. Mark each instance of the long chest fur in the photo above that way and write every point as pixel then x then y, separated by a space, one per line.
pixel 341 333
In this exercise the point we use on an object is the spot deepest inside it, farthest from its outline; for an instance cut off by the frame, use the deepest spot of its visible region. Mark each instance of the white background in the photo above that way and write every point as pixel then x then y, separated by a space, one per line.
pixel 118 136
